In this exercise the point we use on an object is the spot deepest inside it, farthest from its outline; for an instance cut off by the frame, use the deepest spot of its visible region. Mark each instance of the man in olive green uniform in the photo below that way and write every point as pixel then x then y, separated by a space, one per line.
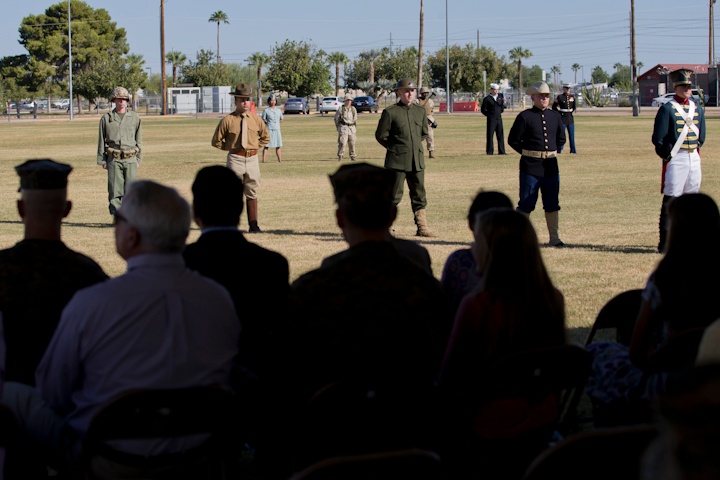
pixel 401 130
pixel 40 274
pixel 119 146
pixel 242 134
pixel 345 122
pixel 425 100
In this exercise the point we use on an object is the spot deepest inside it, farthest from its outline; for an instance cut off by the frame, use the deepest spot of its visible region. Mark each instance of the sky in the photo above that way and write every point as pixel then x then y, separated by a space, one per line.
pixel 558 33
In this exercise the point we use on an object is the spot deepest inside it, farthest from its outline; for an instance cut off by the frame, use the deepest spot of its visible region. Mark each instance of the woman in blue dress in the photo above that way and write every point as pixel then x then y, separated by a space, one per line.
pixel 273 116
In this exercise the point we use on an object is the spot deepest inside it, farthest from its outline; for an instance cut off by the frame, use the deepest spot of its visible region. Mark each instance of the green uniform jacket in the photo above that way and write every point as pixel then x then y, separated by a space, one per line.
pixel 401 130
pixel 121 135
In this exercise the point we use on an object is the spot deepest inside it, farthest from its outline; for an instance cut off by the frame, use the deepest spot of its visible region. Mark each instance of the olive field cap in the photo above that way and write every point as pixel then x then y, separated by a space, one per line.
pixel 538 87
pixel 43 174
pixel 119 92
pixel 495 86
pixel 405 83
pixel 242 90
pixel 681 77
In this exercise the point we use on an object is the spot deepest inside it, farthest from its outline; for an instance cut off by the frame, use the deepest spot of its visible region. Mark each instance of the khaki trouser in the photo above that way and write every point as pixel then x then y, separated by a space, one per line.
pixel 120 174
pixel 431 139
pixel 346 135
pixel 248 170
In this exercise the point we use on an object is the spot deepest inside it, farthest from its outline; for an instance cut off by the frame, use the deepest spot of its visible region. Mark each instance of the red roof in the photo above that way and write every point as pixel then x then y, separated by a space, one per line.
pixel 699 68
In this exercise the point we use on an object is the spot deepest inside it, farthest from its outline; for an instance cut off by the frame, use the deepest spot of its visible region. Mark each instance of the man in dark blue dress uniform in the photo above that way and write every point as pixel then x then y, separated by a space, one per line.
pixel 538 134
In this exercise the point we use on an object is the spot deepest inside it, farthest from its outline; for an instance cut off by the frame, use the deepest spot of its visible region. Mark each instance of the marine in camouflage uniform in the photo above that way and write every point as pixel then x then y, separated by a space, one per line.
pixel 40 274
pixel 119 147
pixel 425 100
pixel 345 122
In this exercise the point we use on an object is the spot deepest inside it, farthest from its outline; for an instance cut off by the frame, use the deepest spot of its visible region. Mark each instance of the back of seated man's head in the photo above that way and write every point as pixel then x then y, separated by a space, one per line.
pixel 485 200
pixel 159 214
pixel 365 194
pixel 217 197
pixel 43 192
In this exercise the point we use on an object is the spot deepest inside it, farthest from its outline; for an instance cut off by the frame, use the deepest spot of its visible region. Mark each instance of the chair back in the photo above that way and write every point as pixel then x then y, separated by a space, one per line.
pixel 594 455
pixel 620 313
pixel 160 414
pixel 411 463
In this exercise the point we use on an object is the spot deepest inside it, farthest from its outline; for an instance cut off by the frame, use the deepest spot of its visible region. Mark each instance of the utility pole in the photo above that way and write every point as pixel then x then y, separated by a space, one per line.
pixel 163 87
pixel 478 39
pixel 70 62
pixel 633 61
pixel 711 37
pixel 420 47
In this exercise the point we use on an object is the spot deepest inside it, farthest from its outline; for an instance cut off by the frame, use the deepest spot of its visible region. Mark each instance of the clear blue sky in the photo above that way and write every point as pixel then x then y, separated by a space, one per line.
pixel 561 32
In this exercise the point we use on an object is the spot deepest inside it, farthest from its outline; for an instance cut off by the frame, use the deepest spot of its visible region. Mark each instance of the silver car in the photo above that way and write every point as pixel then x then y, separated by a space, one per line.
pixel 330 104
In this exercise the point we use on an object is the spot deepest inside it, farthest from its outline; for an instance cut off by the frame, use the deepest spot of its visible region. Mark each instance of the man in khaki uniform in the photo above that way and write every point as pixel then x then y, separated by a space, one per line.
pixel 119 146
pixel 242 134
pixel 345 122
pixel 425 100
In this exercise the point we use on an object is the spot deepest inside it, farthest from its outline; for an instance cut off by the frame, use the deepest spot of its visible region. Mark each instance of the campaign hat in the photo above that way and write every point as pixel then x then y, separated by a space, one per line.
pixel 242 90
pixel 538 87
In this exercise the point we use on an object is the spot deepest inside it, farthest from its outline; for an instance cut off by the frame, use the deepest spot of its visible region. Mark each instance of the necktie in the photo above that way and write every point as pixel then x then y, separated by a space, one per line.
pixel 243 132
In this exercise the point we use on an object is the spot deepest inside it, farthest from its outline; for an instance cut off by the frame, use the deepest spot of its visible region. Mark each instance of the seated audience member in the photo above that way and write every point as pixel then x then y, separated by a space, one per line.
pixel 40 274
pixel 517 309
pixel 460 276
pixel 681 294
pixel 709 349
pixel 373 314
pixel 256 278
pixel 158 326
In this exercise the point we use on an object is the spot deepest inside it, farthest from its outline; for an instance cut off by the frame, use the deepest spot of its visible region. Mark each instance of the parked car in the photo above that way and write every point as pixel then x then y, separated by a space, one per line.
pixel 297 105
pixel 64 103
pixel 27 105
pixel 330 104
pixel 663 99
pixel 365 104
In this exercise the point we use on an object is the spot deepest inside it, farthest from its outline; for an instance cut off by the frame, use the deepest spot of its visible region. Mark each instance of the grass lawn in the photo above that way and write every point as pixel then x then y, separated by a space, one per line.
pixel 609 194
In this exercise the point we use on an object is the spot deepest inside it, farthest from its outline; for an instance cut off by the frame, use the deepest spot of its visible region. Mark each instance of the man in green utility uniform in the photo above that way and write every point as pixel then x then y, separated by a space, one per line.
pixel 119 147
pixel 401 130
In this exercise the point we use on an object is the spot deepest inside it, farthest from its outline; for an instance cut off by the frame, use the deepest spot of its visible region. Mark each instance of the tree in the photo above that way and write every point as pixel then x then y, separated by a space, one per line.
pixel 371 56
pixel 599 75
pixel 466 67
pixel 259 60
pixel 297 68
pixel 95 38
pixel 555 70
pixel 517 54
pixel 575 67
pixel 622 78
pixel 219 17
pixel 337 58
pixel 204 73
pixel 176 59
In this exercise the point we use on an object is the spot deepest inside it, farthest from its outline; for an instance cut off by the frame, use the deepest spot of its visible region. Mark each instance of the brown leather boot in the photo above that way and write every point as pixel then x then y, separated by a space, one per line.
pixel 421 222
pixel 252 214
pixel 432 155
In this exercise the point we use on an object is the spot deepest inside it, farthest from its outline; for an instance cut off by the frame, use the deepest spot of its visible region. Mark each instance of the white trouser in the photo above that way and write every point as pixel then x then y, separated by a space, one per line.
pixel 682 174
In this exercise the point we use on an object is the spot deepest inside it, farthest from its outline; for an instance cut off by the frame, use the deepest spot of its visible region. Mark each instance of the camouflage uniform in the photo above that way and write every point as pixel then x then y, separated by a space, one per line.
pixel 345 122
pixel 428 104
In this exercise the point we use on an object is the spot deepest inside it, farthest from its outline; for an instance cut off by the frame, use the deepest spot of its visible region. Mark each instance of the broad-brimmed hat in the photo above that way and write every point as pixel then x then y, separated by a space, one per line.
pixel 43 174
pixel 405 83
pixel 119 92
pixel 538 87
pixel 681 77
pixel 242 90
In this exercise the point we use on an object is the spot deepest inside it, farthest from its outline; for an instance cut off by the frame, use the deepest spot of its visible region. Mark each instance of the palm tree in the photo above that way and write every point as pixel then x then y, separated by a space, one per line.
pixel 617 66
pixel 337 58
pixel 575 67
pixel 176 59
pixel 555 70
pixel 259 60
pixel 517 54
pixel 371 56
pixel 218 17
pixel 640 65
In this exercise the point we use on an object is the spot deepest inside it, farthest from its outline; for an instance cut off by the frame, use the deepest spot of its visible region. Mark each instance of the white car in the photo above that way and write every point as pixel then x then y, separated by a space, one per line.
pixel 330 104
pixel 663 99
pixel 64 103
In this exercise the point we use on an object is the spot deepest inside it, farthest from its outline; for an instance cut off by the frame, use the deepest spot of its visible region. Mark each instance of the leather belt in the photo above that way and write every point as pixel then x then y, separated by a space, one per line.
pixel 538 154
pixel 244 153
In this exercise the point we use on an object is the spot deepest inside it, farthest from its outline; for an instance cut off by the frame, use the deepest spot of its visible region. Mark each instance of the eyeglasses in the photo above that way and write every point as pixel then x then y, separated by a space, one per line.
pixel 117 218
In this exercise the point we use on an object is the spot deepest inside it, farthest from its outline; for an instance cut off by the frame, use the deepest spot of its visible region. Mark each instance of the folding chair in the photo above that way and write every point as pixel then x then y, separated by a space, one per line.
pixel 620 313
pixel 411 463
pixel 594 455
pixel 161 414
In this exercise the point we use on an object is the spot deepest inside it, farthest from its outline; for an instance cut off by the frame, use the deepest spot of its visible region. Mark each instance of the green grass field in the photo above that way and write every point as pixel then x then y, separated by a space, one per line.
pixel 609 192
